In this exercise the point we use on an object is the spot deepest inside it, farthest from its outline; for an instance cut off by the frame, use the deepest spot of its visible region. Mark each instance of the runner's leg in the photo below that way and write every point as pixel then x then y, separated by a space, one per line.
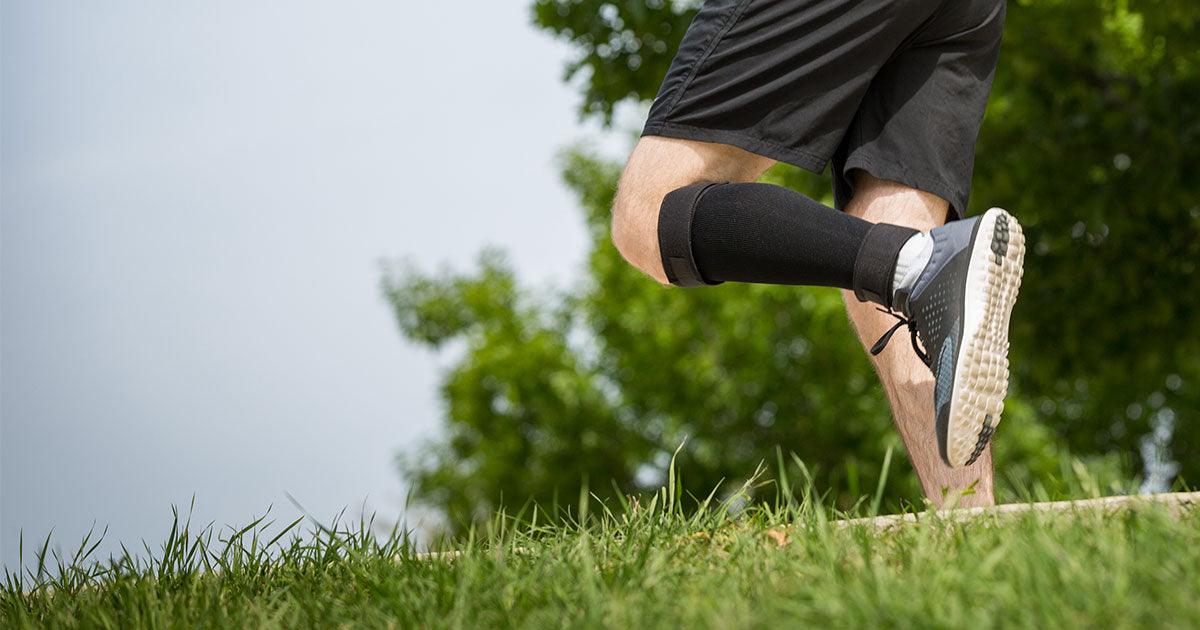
pixel 908 382
pixel 722 227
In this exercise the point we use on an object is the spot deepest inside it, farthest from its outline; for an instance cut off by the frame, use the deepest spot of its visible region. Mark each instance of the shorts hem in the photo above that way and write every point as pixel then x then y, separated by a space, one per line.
pixel 748 142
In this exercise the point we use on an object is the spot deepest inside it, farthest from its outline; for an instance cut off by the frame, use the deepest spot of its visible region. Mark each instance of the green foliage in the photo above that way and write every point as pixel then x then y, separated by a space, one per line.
pixel 623 49
pixel 530 416
pixel 663 562
pixel 1092 139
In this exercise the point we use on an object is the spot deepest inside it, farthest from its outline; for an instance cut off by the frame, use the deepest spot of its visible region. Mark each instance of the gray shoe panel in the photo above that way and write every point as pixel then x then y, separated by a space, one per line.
pixel 937 308
pixel 948 240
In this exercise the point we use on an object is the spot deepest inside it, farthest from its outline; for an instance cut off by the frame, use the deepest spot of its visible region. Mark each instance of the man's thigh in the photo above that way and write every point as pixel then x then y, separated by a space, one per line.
pixel 919 119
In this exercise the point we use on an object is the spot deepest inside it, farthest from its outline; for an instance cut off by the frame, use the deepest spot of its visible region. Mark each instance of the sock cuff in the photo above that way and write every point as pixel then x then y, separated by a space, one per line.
pixel 675 235
pixel 875 265
pixel 912 256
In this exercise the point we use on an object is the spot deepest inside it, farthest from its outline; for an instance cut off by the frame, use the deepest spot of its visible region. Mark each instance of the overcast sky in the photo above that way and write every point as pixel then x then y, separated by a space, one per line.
pixel 195 199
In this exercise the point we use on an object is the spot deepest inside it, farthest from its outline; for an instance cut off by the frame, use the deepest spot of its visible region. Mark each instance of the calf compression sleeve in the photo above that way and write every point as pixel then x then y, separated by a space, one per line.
pixel 711 233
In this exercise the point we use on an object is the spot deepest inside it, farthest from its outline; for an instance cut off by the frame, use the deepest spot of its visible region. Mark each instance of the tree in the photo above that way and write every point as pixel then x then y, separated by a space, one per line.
pixel 1091 138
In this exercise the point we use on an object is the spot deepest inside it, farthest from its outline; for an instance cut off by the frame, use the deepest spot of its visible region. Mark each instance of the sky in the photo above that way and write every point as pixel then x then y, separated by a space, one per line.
pixel 195 200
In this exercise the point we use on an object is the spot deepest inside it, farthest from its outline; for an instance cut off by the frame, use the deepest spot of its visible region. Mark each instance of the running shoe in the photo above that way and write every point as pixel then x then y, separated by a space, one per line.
pixel 959 310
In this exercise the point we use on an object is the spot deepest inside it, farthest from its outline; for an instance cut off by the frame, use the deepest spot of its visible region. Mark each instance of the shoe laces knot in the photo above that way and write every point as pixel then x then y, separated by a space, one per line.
pixel 887 336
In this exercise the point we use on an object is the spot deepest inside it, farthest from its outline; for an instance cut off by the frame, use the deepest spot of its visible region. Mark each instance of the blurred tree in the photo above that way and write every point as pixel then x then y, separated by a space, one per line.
pixel 1092 138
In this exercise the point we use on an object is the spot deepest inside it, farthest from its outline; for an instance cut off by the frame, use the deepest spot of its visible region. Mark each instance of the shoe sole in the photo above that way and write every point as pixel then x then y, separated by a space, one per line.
pixel 981 373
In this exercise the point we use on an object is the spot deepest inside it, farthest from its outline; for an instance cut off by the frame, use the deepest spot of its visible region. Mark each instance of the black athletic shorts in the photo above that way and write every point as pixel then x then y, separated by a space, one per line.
pixel 894 87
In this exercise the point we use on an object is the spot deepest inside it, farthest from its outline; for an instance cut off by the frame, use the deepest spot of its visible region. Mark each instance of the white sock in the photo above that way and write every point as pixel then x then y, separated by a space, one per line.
pixel 913 257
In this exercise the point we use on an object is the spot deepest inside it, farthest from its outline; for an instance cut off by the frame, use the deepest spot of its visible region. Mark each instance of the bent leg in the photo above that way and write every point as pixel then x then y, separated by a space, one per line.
pixel 908 382
pixel 730 230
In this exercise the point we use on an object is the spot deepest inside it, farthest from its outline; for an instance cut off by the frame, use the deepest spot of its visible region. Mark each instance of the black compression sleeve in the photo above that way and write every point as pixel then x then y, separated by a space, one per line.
pixel 711 233
pixel 769 234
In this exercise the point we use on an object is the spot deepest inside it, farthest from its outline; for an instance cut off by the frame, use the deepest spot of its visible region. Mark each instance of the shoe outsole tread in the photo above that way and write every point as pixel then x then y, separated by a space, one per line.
pixel 981 375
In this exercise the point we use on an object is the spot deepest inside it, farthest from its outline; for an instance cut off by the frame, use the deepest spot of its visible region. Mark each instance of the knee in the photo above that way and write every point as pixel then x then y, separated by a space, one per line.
pixel 656 168
pixel 634 229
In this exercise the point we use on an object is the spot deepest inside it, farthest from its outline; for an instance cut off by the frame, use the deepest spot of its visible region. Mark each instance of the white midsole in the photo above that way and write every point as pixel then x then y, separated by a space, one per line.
pixel 981 373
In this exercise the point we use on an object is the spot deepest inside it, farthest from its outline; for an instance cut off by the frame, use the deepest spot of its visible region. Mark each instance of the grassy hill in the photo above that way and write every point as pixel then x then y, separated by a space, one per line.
pixel 648 564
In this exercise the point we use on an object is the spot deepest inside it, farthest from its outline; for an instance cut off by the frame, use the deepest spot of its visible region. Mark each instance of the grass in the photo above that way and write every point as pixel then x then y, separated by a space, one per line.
pixel 665 561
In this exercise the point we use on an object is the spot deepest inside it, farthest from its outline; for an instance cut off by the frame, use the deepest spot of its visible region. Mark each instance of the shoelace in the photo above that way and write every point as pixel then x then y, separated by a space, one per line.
pixel 887 336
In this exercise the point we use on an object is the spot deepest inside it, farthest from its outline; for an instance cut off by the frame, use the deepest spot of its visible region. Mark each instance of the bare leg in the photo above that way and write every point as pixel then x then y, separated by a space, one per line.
pixel 658 166
pixel 908 383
